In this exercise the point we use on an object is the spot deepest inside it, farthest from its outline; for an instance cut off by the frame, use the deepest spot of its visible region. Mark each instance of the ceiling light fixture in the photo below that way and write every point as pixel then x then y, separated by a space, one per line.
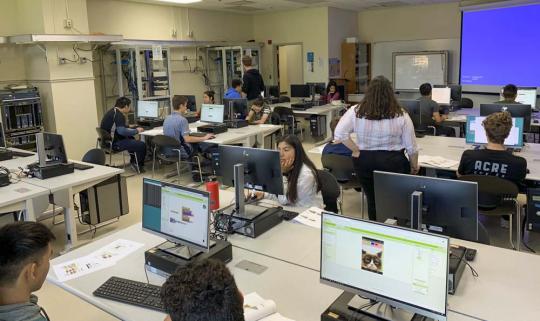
pixel 181 1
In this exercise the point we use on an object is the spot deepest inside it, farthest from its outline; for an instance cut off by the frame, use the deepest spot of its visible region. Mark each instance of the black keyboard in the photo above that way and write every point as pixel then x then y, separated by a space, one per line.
pixel 21 154
pixel 131 292
pixel 82 167
pixel 197 134
pixel 287 215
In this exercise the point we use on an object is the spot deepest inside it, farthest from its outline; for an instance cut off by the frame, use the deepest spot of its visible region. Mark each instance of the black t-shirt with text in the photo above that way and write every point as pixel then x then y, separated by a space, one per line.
pixel 498 163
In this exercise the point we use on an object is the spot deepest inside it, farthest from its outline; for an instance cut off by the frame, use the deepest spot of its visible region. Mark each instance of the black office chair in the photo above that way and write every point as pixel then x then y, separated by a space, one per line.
pixel 466 103
pixel 288 121
pixel 163 144
pixel 95 156
pixel 343 170
pixel 330 191
pixel 104 141
pixel 497 197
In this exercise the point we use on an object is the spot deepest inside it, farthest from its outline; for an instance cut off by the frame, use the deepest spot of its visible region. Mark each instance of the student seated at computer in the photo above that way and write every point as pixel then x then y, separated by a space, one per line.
pixel 509 94
pixel 202 290
pixel 209 97
pixel 235 92
pixel 177 126
pixel 123 135
pixel 301 182
pixel 384 131
pixel 259 112
pixel 429 110
pixel 336 147
pixel 494 159
pixel 331 91
pixel 25 251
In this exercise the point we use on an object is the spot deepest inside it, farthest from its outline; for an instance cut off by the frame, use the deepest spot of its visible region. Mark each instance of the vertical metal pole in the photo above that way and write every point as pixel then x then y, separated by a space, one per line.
pixel 239 189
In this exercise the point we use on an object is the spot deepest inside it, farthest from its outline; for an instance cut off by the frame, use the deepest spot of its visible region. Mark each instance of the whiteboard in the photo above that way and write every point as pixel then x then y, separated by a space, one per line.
pixel 381 54
pixel 411 69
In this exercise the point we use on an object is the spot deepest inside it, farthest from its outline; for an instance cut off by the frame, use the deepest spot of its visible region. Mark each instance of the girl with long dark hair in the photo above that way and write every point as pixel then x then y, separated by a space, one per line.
pixel 302 186
pixel 384 132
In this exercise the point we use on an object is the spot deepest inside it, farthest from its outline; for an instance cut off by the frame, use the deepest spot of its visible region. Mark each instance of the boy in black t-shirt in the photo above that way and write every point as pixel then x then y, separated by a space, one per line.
pixel 494 159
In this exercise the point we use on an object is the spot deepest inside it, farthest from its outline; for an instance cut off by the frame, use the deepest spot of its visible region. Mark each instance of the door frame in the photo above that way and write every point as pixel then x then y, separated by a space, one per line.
pixel 275 53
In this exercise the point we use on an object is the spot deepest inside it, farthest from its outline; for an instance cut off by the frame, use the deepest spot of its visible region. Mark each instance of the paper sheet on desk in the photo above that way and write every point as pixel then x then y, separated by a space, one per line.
pixel 257 308
pixel 105 257
pixel 310 217
pixel 437 161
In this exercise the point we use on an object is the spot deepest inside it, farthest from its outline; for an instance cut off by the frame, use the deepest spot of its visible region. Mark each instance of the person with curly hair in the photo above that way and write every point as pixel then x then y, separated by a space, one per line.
pixel 494 159
pixel 202 291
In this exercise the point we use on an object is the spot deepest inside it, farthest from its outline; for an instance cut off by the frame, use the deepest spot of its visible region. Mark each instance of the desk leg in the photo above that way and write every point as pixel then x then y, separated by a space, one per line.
pixel 518 226
pixel 35 206
pixel 329 116
pixel 64 198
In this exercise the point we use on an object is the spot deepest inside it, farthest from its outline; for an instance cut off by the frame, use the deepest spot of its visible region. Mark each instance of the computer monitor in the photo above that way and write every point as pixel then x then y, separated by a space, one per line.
pixel 516 110
pixel 441 95
pixel 443 206
pixel 147 109
pixel 403 268
pixel 262 168
pixel 177 213
pixel 191 103
pixel 412 106
pixel 2 139
pixel 455 91
pixel 50 149
pixel 212 113
pixel 272 91
pixel 476 134
pixel 525 95
pixel 235 108
pixel 318 88
pixel 300 91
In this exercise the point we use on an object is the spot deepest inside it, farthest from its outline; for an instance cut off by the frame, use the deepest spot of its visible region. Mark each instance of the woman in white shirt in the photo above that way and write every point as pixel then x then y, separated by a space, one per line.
pixel 384 131
pixel 301 183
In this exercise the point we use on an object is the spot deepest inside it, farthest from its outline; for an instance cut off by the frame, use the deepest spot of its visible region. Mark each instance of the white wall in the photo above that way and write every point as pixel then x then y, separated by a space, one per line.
pixel 306 26
pixel 341 24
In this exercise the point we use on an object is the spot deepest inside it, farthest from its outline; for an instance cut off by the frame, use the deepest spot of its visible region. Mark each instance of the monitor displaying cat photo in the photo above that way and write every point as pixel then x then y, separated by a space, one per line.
pixel 372 255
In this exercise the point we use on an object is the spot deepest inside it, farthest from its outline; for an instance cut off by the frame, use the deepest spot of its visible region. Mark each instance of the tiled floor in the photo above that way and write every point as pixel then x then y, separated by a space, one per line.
pixel 61 305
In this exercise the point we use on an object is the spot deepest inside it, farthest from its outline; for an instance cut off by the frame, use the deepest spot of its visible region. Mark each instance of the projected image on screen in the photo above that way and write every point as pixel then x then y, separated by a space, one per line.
pixel 500 46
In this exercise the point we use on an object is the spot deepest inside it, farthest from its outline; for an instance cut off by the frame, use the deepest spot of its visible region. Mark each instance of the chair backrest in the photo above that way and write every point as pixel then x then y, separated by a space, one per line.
pixel 95 156
pixel 340 166
pixel 466 103
pixel 162 141
pixel 284 99
pixel 492 189
pixel 275 119
pixel 329 189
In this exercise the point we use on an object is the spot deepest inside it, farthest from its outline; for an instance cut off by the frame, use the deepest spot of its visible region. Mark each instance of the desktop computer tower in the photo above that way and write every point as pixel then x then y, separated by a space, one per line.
pixel 532 220
pixel 317 124
pixel 105 201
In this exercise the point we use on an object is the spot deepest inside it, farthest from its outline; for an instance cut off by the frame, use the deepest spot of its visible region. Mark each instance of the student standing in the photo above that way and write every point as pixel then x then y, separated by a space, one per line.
pixel 429 111
pixel 202 290
pixel 384 132
pixel 253 81
pixel 123 136
pixel 509 94
pixel 235 92
pixel 25 251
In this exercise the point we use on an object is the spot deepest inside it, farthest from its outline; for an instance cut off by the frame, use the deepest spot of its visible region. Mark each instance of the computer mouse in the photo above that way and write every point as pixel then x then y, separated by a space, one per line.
pixel 528 171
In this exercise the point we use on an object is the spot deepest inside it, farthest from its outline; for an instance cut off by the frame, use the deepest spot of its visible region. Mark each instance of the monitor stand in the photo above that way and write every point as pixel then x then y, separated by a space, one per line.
pixel 185 252
pixel 249 219
pixel 381 311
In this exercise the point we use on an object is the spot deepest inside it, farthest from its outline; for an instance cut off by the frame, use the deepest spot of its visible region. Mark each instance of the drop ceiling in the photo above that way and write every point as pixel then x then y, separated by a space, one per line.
pixel 259 6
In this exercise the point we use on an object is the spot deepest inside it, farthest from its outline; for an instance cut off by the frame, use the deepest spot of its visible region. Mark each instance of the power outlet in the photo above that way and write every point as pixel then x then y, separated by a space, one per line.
pixel 190 34
pixel 68 23
pixel 83 60
pixel 174 33
pixel 185 58
pixel 62 61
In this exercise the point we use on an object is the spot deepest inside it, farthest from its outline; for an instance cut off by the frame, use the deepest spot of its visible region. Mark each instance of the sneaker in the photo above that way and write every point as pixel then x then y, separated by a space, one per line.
pixel 505 223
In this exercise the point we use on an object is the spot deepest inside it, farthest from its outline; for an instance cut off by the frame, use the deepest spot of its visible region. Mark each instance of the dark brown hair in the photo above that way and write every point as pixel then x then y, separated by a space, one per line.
pixel 379 101
pixel 498 126
pixel 510 91
pixel 178 100
pixel 300 158
pixel 210 94
pixel 247 61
